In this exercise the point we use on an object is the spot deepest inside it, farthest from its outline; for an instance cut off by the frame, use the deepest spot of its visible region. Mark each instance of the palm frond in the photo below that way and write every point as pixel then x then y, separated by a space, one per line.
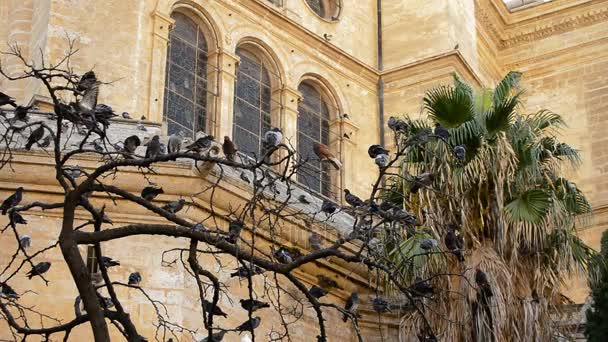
pixel 449 106
pixel 530 206
pixel 506 86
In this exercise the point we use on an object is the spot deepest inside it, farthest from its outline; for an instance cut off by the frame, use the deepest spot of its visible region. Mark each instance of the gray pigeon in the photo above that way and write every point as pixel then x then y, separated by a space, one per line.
pixel 39 269
pixel 132 143
pixel 397 125
pixel 422 180
pixel 244 177
pixel 441 132
pixel 234 230
pixel 153 149
pixel 134 278
pixel 25 241
pixel 253 305
pixel 245 271
pixel 46 141
pixel 460 152
pixel 382 160
pixel 126 115
pixel 88 102
pixel 150 192
pixel 250 324
pixel 302 199
pixel 34 137
pixel 87 80
pixel 174 207
pixel 273 138
pixel 201 144
pixel 283 256
pixel 12 200
pixel 352 305
pixel 351 199
pixel 73 171
pixel 328 207
pixel 419 138
pixel 315 242
pixel 428 244
pixel 380 305
pixel 174 144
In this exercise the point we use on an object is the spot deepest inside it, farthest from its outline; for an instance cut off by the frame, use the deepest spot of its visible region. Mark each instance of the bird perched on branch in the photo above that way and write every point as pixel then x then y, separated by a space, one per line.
pixel 328 207
pixel 150 192
pixel 103 114
pixel 34 137
pixel 153 149
pixel 16 218
pixel 422 180
pixel 229 148
pixel 87 80
pixel 302 199
pixel 201 144
pixel 250 324
pixel 380 305
pixel 452 243
pixel 234 230
pixel 21 113
pixel 421 288
pixel 352 305
pixel 315 241
pixel 481 279
pixel 428 244
pixel 175 206
pixel 441 132
pixel 8 291
pixel 39 269
pixel 397 125
pixel 245 271
pixel 25 241
pixel 217 311
pixel 253 305
pixel 126 115
pixel 12 200
pixel 174 144
pixel 273 138
pixel 109 262
pixel 283 256
pixel 351 199
pixel 317 292
pixel 419 138
pixel 134 278
pixel 7 100
pixel 460 152
pixel 375 150
pixel 382 160
pixel 324 154
pixel 46 141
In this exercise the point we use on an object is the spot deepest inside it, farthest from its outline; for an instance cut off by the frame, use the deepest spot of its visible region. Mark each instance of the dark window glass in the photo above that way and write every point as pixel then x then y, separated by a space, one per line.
pixel 185 100
pixel 313 127
pixel 252 104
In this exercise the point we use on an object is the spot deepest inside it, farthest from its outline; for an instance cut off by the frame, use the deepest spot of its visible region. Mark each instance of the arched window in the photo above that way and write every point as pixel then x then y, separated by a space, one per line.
pixel 326 9
pixel 252 103
pixel 314 127
pixel 185 106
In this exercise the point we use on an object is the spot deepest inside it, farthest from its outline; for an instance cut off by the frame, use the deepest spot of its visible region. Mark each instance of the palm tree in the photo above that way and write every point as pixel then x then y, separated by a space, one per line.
pixel 508 198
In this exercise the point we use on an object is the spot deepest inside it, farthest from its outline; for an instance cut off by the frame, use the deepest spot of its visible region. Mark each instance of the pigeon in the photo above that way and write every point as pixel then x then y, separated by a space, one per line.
pixel 315 242
pixel 39 269
pixel 73 171
pixel 481 279
pixel 25 241
pixel 324 154
pixel 126 115
pixel 88 102
pixel 419 138
pixel 176 206
pixel 150 192
pixel 376 150
pixel 380 305
pixel 421 288
pixel 535 298
pixel 351 199
pixel 273 138
pixel 134 278
pixel 253 305
pixel 5 99
pixel 198 227
pixel 229 148
pixel 244 177
pixel 302 199
pixel 317 292
pixel 141 127
pixel 217 311
pixel 34 137
pixel 428 244
pixel 244 271
pixel 132 143
pixel 328 207
pixel 103 114
pixel 200 144
pixel 16 218
pixel 234 230
pixel 441 132
pixel 105 301
pixel 460 152
pixel 153 149
pixel 249 325
pixel 21 113
pixel 12 200
pixel 143 117
pixel 400 215
pixel 174 144
pixel 87 80
pixel 382 160
pixel 8 291
pixel 109 262
pixel 217 337
pixel 46 141
pixel 451 243
pixel 352 304
pixel 422 180
pixel 283 256
pixel 397 125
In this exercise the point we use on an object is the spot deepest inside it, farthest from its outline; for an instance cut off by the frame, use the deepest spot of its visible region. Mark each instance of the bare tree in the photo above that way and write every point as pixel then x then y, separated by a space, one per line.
pixel 78 126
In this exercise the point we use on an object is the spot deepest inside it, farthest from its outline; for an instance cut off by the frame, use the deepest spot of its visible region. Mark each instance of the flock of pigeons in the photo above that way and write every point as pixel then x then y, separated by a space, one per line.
pixel 95 117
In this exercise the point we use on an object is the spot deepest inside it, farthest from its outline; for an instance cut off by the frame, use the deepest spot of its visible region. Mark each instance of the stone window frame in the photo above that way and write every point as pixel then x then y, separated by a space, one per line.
pixel 212 72
pixel 253 50
pixel 331 186
pixel 334 12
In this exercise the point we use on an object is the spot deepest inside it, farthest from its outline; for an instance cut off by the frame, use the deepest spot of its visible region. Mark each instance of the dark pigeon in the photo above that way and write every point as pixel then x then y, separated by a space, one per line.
pixel 481 279
pixel 217 311
pixel 451 243
pixel 200 144
pixel 109 262
pixel 234 230
pixel 253 305
pixel 422 180
pixel 134 278
pixel 39 269
pixel 419 138
pixel 16 218
pixel 460 152
pixel 87 80
pixel 315 241
pixel 34 137
pixel 328 207
pixel 283 256
pixel 317 292
pixel 153 149
pixel 249 325
pixel 397 125
pixel 174 207
pixel 21 113
pixel 12 200
pixel 150 192
pixel 421 288
pixel 126 115
pixel 244 271
pixel 131 144
pixel 46 141
pixel 229 148
pixel 352 305
pixel 380 305
pixel 351 199
pixel 376 150
pixel 302 199
pixel 8 291
pixel 441 132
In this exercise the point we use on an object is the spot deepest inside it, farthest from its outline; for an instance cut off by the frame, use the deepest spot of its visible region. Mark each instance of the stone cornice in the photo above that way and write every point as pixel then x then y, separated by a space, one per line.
pixel 510 29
